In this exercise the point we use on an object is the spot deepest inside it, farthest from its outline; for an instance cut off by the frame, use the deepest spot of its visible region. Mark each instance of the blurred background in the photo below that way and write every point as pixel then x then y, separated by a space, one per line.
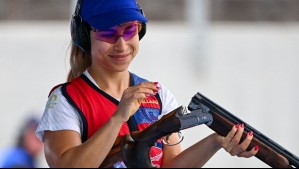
pixel 242 54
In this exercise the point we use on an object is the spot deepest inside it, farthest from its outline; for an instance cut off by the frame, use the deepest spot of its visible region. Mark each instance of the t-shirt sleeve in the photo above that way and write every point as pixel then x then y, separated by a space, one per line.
pixel 168 100
pixel 58 115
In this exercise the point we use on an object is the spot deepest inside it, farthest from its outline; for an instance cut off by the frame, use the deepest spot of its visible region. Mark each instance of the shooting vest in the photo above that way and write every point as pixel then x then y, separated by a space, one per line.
pixel 96 107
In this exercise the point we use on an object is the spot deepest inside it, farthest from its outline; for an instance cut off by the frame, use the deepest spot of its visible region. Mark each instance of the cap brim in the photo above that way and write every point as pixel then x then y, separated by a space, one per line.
pixel 110 19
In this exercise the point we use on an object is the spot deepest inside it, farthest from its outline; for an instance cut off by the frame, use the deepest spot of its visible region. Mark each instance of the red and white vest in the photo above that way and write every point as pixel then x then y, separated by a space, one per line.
pixel 95 108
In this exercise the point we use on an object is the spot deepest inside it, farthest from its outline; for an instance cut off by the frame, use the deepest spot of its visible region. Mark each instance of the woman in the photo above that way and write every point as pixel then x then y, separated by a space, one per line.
pixel 103 100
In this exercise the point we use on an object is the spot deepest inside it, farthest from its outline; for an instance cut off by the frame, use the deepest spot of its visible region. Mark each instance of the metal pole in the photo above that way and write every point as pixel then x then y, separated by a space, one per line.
pixel 198 18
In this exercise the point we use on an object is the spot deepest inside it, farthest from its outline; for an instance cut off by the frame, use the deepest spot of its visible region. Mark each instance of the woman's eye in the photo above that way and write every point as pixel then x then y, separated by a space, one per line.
pixel 130 30
pixel 107 35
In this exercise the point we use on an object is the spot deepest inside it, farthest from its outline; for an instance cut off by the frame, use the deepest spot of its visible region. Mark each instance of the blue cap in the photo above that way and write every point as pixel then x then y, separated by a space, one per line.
pixel 104 14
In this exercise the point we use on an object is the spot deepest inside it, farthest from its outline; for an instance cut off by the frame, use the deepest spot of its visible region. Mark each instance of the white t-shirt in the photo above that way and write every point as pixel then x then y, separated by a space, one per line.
pixel 60 115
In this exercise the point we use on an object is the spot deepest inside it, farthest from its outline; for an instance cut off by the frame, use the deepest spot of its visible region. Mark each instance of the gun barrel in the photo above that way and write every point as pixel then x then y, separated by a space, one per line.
pixel 270 152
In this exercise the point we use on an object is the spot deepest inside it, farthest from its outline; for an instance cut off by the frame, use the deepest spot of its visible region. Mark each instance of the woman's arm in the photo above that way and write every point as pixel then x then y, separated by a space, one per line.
pixel 65 149
pixel 198 154
pixel 170 152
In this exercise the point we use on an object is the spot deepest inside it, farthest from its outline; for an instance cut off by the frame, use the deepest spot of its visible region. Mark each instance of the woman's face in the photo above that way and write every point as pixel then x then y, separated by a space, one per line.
pixel 115 48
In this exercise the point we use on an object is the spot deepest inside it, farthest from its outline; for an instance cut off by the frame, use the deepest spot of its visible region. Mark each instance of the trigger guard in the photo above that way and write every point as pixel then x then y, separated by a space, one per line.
pixel 181 136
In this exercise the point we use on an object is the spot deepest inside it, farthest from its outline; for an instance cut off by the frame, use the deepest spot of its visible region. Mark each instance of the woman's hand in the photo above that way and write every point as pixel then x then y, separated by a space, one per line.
pixel 231 143
pixel 133 97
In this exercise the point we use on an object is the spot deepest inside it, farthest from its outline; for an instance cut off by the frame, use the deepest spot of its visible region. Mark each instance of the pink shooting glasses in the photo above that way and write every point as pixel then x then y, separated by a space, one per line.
pixel 127 30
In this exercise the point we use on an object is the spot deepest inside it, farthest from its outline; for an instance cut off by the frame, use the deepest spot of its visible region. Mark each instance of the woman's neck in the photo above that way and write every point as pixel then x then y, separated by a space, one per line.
pixel 113 83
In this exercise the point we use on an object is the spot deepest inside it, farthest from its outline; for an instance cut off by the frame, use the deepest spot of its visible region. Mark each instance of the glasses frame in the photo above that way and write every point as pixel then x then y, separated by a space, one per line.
pixel 114 39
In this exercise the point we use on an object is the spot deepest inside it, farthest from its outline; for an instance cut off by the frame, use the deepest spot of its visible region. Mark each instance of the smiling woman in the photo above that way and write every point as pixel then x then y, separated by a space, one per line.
pixel 251 67
pixel 94 107
pixel 103 100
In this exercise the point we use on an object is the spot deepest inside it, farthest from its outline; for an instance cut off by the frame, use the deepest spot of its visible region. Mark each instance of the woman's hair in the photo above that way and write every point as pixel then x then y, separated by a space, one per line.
pixel 79 62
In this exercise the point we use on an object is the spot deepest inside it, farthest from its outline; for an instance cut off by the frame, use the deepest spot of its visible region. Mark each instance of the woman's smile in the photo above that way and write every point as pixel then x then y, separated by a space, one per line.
pixel 120 57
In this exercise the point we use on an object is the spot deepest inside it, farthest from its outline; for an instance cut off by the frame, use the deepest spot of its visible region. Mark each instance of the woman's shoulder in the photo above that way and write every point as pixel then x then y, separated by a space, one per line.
pixel 55 89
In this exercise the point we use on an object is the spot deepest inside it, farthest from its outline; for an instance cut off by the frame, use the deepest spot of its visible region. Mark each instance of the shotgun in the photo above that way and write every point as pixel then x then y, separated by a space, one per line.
pixel 132 150
pixel 269 152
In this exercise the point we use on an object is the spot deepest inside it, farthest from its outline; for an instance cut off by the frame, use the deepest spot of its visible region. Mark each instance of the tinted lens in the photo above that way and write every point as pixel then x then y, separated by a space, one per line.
pixel 130 32
pixel 127 30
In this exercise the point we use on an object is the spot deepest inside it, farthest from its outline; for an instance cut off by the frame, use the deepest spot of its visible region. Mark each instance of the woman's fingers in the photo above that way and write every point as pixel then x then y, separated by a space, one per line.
pixel 145 88
pixel 243 146
pixel 236 139
pixel 233 145
pixel 232 133
pixel 134 96
pixel 226 140
pixel 141 91
pixel 248 154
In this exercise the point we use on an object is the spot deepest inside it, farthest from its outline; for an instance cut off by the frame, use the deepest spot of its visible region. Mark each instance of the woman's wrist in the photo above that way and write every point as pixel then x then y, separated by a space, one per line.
pixel 117 118
pixel 216 140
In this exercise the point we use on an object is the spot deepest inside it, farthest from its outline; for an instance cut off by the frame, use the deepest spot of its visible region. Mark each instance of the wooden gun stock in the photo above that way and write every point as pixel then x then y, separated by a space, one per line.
pixel 133 150
pixel 269 152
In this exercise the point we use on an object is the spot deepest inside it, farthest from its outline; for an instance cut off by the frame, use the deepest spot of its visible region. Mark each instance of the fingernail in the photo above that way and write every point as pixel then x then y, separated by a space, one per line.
pixel 157 85
pixel 256 148
pixel 242 126
pixel 250 133
pixel 237 126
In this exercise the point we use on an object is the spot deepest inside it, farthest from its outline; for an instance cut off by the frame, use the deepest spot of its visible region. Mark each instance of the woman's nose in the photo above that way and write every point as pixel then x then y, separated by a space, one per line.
pixel 120 43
